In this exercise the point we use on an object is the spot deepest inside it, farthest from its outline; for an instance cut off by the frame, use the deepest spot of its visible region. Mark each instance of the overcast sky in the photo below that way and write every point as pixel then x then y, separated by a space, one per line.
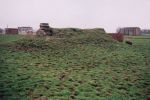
pixel 108 14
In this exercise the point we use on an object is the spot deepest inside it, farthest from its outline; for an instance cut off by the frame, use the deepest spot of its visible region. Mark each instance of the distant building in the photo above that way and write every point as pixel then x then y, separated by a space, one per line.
pixel 1 31
pixel 25 30
pixel 145 32
pixel 133 31
pixel 12 31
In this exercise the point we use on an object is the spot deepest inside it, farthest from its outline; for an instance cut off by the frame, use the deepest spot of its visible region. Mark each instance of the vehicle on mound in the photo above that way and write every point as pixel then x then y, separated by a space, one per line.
pixel 45 29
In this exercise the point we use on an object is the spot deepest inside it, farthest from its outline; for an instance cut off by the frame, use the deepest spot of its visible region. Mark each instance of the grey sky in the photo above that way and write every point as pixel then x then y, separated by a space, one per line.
pixel 108 14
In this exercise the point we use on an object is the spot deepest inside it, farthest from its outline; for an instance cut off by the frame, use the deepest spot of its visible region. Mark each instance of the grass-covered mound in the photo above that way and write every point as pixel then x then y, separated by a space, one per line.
pixel 68 37
pixel 87 65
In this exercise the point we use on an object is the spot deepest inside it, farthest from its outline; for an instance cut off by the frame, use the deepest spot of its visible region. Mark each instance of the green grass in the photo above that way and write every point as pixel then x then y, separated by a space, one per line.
pixel 9 38
pixel 139 37
pixel 86 66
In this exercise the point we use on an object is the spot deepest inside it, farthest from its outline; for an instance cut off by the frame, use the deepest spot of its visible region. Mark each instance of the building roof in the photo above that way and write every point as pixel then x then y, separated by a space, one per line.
pixel 130 27
pixel 11 28
pixel 24 27
pixel 44 24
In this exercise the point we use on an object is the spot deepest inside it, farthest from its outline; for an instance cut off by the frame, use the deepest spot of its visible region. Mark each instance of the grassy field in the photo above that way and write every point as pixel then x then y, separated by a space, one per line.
pixel 88 66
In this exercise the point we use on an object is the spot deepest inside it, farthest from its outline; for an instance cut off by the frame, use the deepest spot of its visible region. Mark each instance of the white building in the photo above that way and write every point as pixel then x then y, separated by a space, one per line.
pixel 145 32
pixel 25 30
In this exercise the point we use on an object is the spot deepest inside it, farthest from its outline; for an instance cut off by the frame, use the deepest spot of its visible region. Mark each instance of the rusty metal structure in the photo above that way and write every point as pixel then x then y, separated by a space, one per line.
pixel 117 36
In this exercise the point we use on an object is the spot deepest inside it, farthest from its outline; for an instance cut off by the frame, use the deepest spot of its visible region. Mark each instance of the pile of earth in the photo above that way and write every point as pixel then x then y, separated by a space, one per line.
pixel 67 37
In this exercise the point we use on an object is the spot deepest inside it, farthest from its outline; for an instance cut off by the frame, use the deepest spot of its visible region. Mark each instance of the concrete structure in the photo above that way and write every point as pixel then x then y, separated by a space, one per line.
pixel 12 31
pixel 45 29
pixel 25 30
pixel 133 31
